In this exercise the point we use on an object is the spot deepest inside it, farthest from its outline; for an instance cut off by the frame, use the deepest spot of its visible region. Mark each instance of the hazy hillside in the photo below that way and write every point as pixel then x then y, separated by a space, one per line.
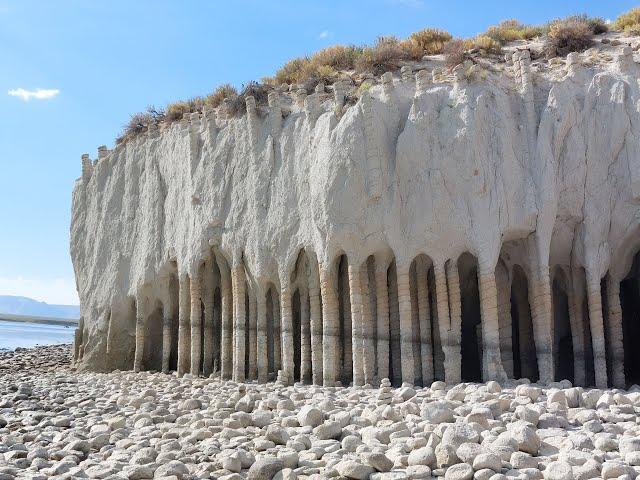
pixel 29 306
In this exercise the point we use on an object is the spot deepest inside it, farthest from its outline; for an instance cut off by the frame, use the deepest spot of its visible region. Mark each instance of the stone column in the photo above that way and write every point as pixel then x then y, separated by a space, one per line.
pixel 209 337
pixel 330 333
pixel 576 314
pixel 614 331
pixel 141 333
pixel 277 334
pixel 382 326
pixel 426 351
pixel 355 297
pixel 542 319
pixel 491 362
pixel 262 359
pixel 452 348
pixel 253 324
pixel 305 337
pixel 183 326
pixel 167 323
pixel 316 330
pixel 406 327
pixel 239 320
pixel 596 323
pixel 226 341
pixel 503 285
pixel 77 340
pixel 196 325
pixel 286 332
pixel 368 323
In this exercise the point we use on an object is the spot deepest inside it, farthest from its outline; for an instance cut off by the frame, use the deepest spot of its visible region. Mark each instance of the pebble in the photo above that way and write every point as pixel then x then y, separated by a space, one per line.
pixel 58 422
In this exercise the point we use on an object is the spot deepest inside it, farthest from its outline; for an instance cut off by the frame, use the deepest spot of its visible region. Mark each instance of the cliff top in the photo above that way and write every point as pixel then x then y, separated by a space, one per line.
pixel 353 69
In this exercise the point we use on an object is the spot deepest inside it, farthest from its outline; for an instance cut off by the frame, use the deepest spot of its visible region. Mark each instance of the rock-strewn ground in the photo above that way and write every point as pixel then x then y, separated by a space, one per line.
pixel 58 423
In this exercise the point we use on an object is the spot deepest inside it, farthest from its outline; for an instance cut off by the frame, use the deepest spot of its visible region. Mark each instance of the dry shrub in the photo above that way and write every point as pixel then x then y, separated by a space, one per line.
pixel 487 45
pixel 430 40
pixel 454 52
pixel 139 122
pixel 323 66
pixel 597 25
pixel 511 30
pixel 338 57
pixel 238 105
pixel 629 21
pixel 220 94
pixel 571 34
pixel 386 55
pixel 291 71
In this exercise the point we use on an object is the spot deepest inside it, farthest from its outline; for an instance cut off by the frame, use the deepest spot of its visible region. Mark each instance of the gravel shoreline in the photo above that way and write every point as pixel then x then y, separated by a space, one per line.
pixel 56 422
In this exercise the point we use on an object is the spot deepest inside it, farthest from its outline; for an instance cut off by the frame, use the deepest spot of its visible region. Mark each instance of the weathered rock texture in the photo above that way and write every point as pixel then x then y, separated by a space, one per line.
pixel 465 227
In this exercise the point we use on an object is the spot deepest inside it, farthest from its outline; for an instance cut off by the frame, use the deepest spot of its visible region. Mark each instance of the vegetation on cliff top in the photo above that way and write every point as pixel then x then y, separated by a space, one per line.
pixel 388 53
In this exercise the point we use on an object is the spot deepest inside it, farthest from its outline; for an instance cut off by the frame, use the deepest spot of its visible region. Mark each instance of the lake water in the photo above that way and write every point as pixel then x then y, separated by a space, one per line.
pixel 22 334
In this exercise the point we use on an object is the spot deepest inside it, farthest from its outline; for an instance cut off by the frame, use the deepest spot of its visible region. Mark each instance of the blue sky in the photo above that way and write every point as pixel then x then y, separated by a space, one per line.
pixel 97 62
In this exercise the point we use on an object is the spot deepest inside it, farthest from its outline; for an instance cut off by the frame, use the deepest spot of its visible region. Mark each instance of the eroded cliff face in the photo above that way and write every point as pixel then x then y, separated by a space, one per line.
pixel 519 167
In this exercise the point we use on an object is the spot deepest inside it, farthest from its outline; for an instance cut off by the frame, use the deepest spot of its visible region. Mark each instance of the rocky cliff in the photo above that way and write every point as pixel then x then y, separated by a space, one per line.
pixel 520 165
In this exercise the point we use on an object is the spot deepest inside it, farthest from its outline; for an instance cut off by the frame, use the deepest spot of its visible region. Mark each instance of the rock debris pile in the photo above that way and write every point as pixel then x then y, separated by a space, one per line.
pixel 57 423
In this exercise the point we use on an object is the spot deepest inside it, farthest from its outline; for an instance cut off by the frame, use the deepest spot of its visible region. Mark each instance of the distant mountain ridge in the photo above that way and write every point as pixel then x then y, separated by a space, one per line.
pixel 15 305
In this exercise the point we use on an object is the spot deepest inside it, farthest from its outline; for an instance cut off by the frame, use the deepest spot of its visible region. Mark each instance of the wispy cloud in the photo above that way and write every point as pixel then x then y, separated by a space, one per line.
pixel 38 93
pixel 324 34
pixel 56 290
pixel 407 3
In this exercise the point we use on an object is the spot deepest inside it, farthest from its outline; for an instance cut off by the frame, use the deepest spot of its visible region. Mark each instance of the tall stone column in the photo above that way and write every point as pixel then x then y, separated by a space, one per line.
pixel 305 337
pixel 382 320
pixel 491 362
pixel 167 323
pixel 277 334
pixel 503 285
pixel 451 367
pixel 576 313
pixel 209 336
pixel 316 330
pixel 542 319
pixel 406 327
pixel 286 332
pixel 452 348
pixel 184 327
pixel 141 332
pixel 368 323
pixel 355 293
pixel 614 331
pixel 426 351
pixel 262 359
pixel 596 323
pixel 330 332
pixel 253 325
pixel 196 325
pixel 226 340
pixel 78 340
pixel 240 318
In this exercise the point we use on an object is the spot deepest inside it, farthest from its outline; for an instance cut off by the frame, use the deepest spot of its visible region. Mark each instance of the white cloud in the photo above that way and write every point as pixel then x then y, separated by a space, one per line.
pixel 56 290
pixel 38 93
pixel 324 34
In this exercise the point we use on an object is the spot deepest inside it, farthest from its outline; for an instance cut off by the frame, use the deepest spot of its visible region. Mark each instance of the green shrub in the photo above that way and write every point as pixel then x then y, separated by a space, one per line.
pixel 430 40
pixel 572 34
